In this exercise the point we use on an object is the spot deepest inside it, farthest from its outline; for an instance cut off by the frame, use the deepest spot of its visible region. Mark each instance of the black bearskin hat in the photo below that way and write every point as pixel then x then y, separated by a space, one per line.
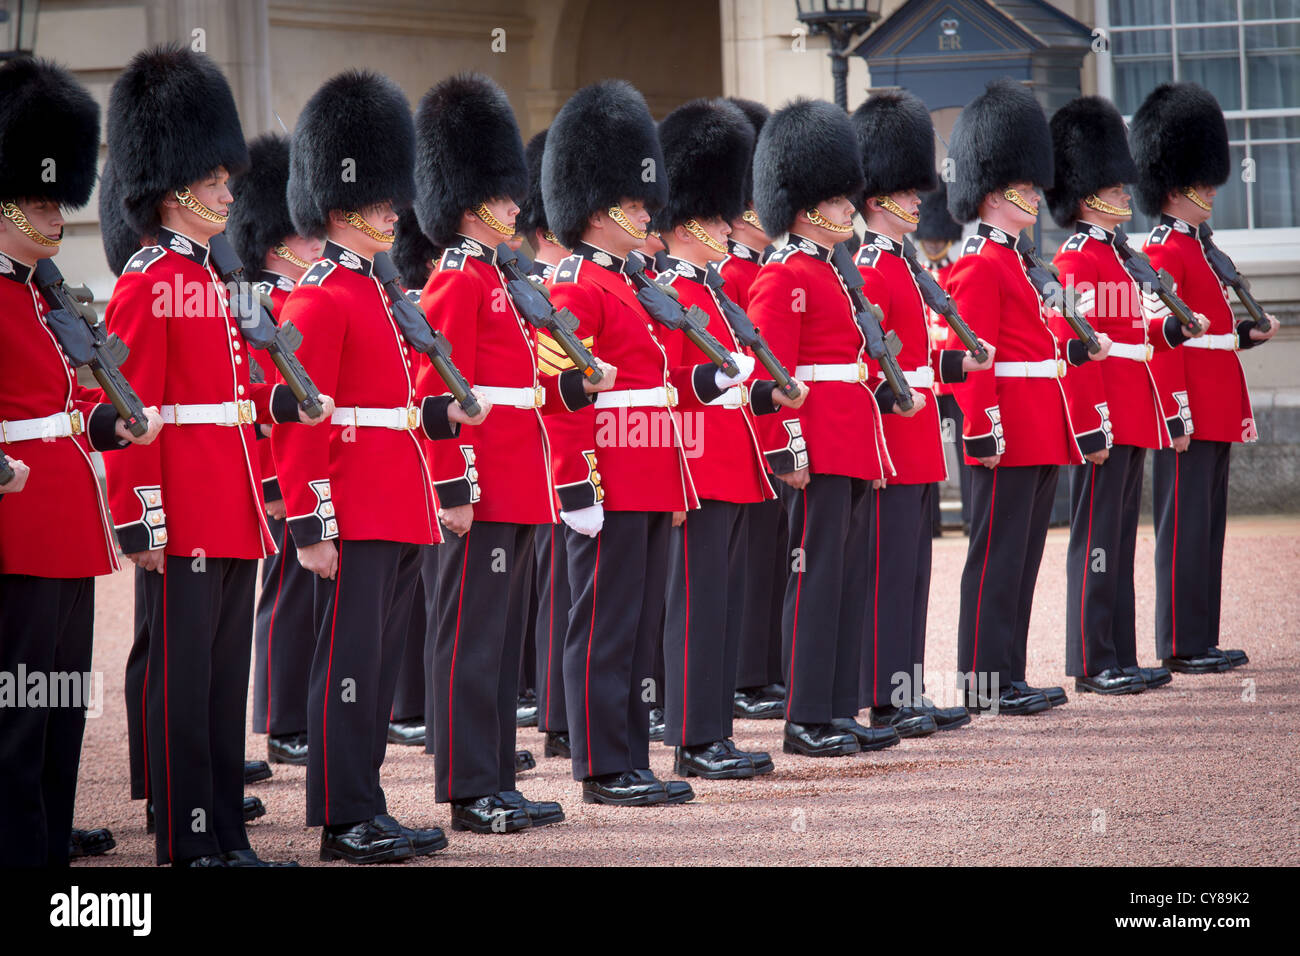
pixel 259 216
pixel 532 214
pixel 806 153
pixel 359 123
pixel 1090 151
pixel 936 222
pixel 757 115
pixel 171 121
pixel 602 147
pixel 896 137
pixel 1179 139
pixel 120 241
pixel 1001 137
pixel 708 145
pixel 467 151
pixel 49 134
pixel 412 252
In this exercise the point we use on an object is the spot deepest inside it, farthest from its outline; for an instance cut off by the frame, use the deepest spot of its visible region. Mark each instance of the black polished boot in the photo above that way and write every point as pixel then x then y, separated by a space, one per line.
pixel 423 841
pixel 818 740
pixel 288 748
pixel 541 812
pixel 869 738
pixel 489 814
pixel 363 842
pixel 712 761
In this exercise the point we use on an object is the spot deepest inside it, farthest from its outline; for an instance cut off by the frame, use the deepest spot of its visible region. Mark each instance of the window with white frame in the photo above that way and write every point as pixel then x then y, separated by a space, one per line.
pixel 1245 52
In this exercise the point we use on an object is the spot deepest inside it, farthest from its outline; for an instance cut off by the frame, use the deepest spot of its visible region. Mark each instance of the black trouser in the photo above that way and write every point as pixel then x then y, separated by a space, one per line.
pixel 617 581
pixel 553 602
pixel 136 684
pixel 1010 510
pixel 284 639
pixel 706 597
pixel 45 633
pixel 362 618
pixel 898 551
pixel 1105 500
pixel 528 657
pixel 430 555
pixel 483 576
pixel 408 698
pixel 824 599
pixel 1190 502
pixel 950 410
pixel 200 641
pixel 767 566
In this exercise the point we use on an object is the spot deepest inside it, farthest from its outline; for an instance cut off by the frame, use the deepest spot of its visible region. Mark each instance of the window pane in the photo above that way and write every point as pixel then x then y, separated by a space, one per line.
pixel 1230 203
pixel 1274 127
pixel 1268 9
pixel 1273 66
pixel 1204 11
pixel 1276 198
pixel 1142 61
pixel 1209 57
pixel 1237 129
pixel 1138 13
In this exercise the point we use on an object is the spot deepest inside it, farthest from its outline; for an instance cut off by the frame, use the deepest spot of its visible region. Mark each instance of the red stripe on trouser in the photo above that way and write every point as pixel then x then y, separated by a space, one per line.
pixel 875 615
pixel 1173 569
pixel 550 630
pixel 979 598
pixel 798 587
pixel 167 754
pixel 144 730
pixel 270 631
pixel 586 686
pixel 329 670
pixel 451 676
pixel 1087 554
pixel 686 646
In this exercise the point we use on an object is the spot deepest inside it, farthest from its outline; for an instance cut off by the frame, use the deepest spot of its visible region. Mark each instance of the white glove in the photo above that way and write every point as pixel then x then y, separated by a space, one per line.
pixel 587 520
pixel 745 367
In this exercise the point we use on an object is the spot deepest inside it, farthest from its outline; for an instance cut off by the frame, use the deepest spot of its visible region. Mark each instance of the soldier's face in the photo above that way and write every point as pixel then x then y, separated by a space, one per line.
pixel 1022 219
pixel 380 217
pixel 504 210
pixel 719 230
pixel 45 217
pixel 213 191
pixel 615 238
pixel 306 249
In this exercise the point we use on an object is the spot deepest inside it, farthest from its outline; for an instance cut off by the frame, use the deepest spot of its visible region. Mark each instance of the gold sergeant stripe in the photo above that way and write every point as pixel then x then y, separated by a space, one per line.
pixel 551 359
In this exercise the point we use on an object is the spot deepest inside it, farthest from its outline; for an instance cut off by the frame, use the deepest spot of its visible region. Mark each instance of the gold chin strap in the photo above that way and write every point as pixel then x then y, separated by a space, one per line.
pixel 1195 197
pixel 356 222
pixel 289 256
pixel 619 216
pixel 15 215
pixel 491 221
pixel 1015 197
pixel 942 252
pixel 1096 202
pixel 751 217
pixel 188 200
pixel 889 205
pixel 550 237
pixel 696 230
pixel 817 219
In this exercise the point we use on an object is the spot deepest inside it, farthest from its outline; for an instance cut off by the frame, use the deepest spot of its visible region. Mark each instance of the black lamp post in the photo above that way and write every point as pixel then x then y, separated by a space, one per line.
pixel 843 21
pixel 17 28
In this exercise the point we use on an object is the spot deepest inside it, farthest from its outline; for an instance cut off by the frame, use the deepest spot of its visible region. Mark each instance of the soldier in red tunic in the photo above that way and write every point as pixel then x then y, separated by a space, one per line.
pixel 1180 145
pixel 358 495
pixel 1092 163
pixel 284 635
pixel 494 484
pixel 1017 424
pixel 708 145
pixel 189 507
pixel 897 141
pixel 807 167
pixel 55 529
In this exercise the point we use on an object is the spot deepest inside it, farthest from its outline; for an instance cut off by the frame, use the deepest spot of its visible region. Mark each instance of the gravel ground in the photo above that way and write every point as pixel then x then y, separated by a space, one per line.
pixel 1199 772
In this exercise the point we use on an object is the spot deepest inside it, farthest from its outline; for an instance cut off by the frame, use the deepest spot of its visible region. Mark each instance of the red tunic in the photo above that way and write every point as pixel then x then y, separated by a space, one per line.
pixel 631 459
pixel 169 307
pixel 916 442
pixel 277 287
pixel 58 526
pixel 941 336
pixel 1209 383
pixel 805 313
pixel 739 270
pixel 1026 420
pixel 356 482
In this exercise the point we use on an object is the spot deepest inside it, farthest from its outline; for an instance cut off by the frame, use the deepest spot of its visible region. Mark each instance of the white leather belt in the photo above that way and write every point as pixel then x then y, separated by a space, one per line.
pixel 59 425
pixel 242 412
pixel 1137 351
pixel 398 419
pixel 846 372
pixel 513 397
pixel 663 397
pixel 1226 342
pixel 920 378
pixel 733 397
pixel 1047 368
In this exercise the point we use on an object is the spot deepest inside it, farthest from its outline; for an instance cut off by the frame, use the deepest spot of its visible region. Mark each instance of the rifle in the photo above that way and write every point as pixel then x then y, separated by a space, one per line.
pixel 1227 272
pixel 534 304
pixel 83 339
pixel 6 473
pixel 748 336
pixel 939 300
pixel 881 346
pixel 421 336
pixel 661 302
pixel 1046 278
pixel 253 311
pixel 1138 265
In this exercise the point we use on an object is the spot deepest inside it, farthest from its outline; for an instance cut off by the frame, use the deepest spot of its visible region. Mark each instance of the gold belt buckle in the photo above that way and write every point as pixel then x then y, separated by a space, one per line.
pixel 74 417
pixel 412 417
pixel 1151 351
pixel 1060 368
pixel 862 372
pixel 671 393
pixel 744 394
pixel 539 396
pixel 244 408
